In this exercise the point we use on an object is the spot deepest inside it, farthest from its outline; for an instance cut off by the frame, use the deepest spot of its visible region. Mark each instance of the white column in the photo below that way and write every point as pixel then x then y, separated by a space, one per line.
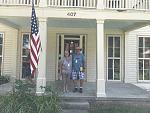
pixel 100 4
pixel 43 3
pixel 41 74
pixel 100 59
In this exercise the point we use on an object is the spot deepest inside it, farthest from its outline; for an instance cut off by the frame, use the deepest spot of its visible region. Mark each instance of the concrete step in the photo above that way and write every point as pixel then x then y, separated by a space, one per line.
pixel 74 111
pixel 77 99
pixel 75 105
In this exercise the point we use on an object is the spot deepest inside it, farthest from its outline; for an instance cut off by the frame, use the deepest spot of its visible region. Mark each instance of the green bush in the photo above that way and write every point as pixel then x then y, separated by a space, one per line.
pixel 23 100
pixel 4 79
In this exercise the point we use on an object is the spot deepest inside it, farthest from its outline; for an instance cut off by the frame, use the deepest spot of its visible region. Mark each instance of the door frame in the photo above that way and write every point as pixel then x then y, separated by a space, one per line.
pixel 61 36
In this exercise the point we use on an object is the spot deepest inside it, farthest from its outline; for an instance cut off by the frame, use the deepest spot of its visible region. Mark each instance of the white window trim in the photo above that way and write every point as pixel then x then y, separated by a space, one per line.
pixel 2 63
pixel 121 47
pixel 145 81
pixel 22 52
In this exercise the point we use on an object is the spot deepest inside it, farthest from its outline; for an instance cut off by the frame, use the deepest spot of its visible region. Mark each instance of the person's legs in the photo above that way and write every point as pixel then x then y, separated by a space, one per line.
pixel 75 86
pixel 67 82
pixel 64 82
pixel 81 86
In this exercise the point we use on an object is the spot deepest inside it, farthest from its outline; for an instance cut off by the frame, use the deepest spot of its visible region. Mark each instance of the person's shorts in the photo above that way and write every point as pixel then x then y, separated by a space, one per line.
pixel 78 75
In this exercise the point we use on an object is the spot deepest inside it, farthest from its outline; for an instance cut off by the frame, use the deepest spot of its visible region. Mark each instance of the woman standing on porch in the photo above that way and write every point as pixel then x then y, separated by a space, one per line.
pixel 66 69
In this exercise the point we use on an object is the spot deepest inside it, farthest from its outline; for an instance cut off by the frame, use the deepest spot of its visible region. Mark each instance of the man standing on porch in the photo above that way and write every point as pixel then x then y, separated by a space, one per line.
pixel 78 64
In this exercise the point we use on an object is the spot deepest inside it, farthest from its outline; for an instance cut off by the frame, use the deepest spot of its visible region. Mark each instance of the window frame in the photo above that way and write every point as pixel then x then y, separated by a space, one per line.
pixel 143 58
pixel 114 58
pixel 2 56
pixel 23 56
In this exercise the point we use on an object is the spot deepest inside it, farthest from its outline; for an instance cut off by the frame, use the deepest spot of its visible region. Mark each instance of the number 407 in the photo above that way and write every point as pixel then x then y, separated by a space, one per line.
pixel 71 14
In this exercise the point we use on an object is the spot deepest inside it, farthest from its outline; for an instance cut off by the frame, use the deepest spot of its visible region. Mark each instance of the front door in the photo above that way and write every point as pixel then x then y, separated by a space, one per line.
pixel 68 42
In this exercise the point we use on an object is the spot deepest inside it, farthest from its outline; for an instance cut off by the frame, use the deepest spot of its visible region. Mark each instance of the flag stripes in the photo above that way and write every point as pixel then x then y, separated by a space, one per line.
pixel 35 43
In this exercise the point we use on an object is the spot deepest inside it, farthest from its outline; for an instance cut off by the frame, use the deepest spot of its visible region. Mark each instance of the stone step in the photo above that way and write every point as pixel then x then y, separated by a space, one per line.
pixel 75 105
pixel 74 111
pixel 77 99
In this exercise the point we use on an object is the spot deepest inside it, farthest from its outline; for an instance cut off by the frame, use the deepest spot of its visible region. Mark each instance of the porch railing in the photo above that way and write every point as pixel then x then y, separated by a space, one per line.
pixel 18 2
pixel 73 3
pixel 108 4
pixel 128 4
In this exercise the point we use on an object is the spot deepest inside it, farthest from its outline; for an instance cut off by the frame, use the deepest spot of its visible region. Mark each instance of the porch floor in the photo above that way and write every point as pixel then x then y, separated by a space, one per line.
pixel 113 90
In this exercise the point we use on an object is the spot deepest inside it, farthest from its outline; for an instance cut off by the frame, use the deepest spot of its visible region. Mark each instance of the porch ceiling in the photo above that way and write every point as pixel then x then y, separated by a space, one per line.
pixel 75 23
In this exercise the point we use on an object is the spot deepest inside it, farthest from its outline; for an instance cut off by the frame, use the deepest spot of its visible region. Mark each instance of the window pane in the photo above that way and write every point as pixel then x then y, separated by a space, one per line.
pixel 117 63
pixel 110 42
pixel 59 44
pixel 146 64
pixel 140 64
pixel 117 41
pixel 25 40
pixel 141 42
pixel 110 52
pixel 147 42
pixel 140 52
pixel 83 45
pixel 110 63
pixel 140 74
pixel 1 40
pixel 116 74
pixel 0 64
pixel 117 52
pixel 110 74
pixel 147 52
pixel 0 49
pixel 146 75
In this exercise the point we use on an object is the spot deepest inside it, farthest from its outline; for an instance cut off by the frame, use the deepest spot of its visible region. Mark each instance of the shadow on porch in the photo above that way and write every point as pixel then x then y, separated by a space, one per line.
pixel 113 90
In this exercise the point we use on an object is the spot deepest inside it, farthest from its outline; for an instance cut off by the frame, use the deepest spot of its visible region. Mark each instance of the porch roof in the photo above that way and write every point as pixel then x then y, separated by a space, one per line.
pixel 125 25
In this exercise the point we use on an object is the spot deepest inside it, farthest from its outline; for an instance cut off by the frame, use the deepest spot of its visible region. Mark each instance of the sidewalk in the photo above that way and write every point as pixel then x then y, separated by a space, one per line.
pixel 5 88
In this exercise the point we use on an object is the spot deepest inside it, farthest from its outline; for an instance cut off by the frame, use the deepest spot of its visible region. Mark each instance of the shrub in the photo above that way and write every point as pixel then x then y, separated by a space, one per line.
pixel 23 100
pixel 4 79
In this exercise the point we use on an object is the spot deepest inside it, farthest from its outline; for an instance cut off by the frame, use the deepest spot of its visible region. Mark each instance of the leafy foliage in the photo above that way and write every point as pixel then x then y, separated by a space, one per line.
pixel 4 79
pixel 23 100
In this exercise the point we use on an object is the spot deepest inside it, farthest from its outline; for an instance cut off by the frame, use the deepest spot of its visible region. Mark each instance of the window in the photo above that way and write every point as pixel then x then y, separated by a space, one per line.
pixel 25 46
pixel 144 58
pixel 1 51
pixel 113 58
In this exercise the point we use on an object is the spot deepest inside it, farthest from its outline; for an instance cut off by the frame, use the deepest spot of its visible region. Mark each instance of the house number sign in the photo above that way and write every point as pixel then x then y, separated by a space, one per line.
pixel 71 13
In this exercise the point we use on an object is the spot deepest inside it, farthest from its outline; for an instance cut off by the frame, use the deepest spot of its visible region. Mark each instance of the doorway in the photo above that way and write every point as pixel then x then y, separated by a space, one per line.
pixel 68 42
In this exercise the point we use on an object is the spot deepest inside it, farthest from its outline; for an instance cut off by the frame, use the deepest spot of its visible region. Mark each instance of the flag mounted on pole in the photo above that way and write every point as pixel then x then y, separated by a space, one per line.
pixel 35 42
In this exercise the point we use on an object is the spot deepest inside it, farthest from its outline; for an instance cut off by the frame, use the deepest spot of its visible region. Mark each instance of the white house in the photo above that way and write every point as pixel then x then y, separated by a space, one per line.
pixel 114 35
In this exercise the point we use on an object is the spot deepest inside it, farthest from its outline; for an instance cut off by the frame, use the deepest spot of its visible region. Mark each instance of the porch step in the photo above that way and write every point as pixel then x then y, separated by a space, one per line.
pixel 75 103
pixel 74 111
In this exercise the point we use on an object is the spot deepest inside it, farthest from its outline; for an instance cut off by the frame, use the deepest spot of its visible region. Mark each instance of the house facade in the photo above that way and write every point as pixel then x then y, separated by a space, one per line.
pixel 114 36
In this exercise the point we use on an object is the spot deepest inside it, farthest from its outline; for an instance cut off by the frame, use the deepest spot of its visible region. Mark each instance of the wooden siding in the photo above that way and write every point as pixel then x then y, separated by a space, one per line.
pixel 131 53
pixel 9 50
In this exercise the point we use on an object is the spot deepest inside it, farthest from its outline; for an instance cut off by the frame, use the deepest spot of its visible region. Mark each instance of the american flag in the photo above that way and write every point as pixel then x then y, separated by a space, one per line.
pixel 35 43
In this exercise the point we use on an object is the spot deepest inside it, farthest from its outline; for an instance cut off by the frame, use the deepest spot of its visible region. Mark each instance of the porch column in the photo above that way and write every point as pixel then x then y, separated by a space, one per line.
pixel 41 74
pixel 100 59
pixel 100 4
pixel 43 3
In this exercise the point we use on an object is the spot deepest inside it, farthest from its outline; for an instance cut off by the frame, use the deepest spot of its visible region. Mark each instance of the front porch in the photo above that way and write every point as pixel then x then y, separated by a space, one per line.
pixel 113 90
